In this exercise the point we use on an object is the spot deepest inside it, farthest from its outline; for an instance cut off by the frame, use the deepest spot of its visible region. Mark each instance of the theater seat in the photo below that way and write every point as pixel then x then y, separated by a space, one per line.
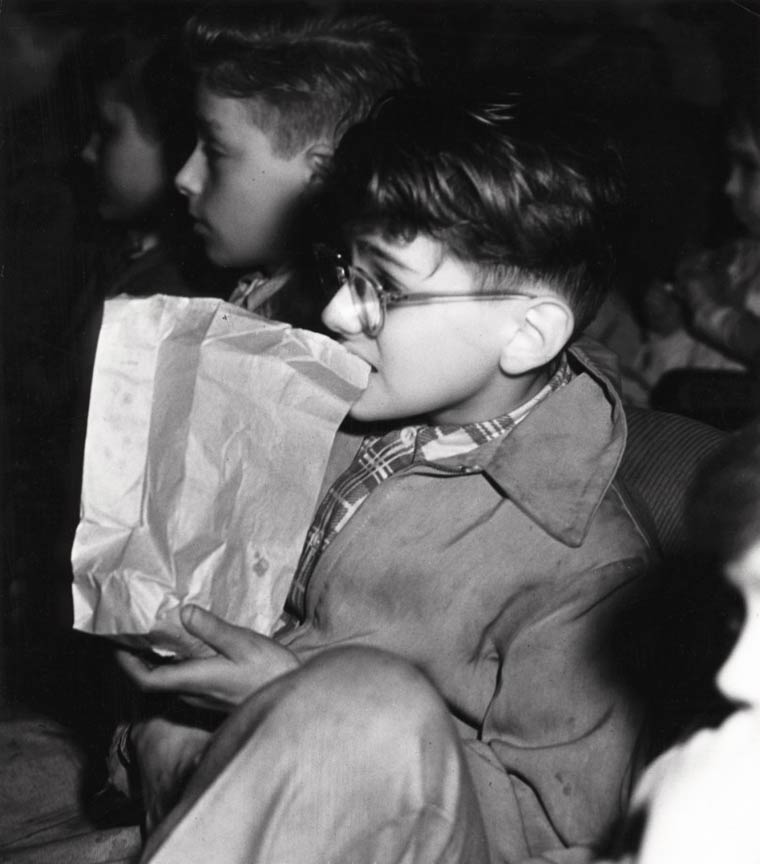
pixel 662 456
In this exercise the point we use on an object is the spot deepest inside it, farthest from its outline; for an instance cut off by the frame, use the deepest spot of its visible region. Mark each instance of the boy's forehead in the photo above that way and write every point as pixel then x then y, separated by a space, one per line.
pixel 420 253
pixel 111 103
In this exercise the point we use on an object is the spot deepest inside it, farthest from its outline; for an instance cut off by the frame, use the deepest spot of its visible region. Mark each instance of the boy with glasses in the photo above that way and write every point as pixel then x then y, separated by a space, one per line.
pixel 446 687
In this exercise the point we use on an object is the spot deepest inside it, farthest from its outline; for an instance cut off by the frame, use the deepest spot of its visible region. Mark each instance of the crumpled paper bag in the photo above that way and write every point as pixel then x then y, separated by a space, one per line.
pixel 208 435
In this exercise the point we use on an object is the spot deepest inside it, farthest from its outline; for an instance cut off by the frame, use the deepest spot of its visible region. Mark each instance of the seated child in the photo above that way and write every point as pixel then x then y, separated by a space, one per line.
pixel 448 686
pixel 701 796
pixel 669 342
pixel 267 129
pixel 142 110
pixel 721 288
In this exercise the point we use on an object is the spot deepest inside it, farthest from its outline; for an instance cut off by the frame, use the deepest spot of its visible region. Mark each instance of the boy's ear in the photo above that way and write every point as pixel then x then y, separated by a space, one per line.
pixel 543 331
pixel 318 157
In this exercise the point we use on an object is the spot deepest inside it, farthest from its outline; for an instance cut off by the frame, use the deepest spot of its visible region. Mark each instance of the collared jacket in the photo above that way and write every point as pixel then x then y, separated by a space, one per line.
pixel 508 575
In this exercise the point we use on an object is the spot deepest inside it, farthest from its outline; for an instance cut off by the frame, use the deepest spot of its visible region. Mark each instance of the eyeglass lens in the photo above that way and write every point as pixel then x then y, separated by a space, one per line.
pixel 367 301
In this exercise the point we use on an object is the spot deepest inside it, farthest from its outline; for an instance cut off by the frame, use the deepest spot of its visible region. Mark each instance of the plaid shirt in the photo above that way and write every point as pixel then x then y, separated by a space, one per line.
pixel 379 457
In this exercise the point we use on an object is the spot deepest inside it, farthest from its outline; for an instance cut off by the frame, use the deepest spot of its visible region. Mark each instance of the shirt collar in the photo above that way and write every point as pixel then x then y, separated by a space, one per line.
pixel 141 242
pixel 440 442
pixel 557 465
pixel 255 290
pixel 559 462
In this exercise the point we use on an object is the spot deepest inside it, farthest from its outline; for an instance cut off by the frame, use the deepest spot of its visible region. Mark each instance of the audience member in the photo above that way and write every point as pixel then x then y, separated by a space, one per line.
pixel 447 687
pixel 275 93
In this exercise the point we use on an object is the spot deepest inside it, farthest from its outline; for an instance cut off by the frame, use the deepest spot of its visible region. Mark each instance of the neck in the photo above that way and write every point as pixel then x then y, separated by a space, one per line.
pixel 508 396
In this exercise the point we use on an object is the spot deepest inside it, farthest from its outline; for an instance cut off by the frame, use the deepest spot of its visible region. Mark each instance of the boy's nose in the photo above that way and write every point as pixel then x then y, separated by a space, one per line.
pixel 89 152
pixel 189 178
pixel 341 315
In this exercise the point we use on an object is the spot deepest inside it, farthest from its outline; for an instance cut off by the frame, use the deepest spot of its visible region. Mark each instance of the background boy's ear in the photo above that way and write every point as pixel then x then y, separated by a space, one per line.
pixel 318 157
pixel 543 331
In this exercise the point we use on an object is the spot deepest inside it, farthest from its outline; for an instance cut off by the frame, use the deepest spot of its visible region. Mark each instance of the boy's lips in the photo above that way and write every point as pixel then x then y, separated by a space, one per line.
pixel 350 348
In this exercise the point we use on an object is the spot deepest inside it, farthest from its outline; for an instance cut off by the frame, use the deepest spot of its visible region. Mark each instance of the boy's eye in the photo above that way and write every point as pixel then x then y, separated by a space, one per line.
pixel 746 165
pixel 389 291
pixel 105 128
pixel 211 151
pixel 387 284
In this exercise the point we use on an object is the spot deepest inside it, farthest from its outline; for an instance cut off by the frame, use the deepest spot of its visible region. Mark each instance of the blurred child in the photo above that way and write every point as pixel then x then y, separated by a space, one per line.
pixel 275 93
pixel 721 289
pixel 702 796
pixel 143 120
pixel 669 342
pixel 702 330
pixel 447 688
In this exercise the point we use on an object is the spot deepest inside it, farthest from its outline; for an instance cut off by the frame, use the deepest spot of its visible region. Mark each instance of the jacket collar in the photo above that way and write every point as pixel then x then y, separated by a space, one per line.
pixel 557 465
pixel 559 462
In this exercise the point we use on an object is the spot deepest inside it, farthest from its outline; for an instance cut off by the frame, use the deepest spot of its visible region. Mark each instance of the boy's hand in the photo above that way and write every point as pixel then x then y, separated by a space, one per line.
pixel 702 797
pixel 245 661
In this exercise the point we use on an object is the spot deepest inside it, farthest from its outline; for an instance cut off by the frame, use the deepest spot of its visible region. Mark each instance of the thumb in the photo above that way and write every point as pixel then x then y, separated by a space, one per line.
pixel 223 637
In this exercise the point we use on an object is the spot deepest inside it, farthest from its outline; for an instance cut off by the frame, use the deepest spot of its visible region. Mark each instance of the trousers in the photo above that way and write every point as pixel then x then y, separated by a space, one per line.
pixel 351 758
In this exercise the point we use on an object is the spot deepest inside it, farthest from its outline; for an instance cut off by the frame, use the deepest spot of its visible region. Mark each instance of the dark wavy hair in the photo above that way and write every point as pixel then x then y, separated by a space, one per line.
pixel 309 75
pixel 515 190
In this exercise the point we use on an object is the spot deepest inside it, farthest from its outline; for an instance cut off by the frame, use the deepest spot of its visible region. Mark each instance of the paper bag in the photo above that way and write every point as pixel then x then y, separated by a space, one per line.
pixel 208 436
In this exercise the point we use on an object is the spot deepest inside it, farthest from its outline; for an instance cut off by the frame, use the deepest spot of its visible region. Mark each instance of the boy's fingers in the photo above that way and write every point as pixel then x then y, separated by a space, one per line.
pixel 225 638
pixel 185 676
pixel 135 667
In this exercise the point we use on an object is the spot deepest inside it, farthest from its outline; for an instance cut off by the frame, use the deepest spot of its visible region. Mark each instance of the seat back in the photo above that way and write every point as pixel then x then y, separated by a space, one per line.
pixel 663 454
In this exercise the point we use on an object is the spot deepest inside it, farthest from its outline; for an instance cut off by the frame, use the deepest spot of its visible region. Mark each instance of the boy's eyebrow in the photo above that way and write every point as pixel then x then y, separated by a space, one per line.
pixel 366 247
pixel 206 126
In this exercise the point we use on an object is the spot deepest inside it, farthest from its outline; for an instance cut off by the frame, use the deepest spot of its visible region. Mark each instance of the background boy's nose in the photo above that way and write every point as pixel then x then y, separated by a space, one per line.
pixel 188 180
pixel 89 152
pixel 341 315
pixel 733 183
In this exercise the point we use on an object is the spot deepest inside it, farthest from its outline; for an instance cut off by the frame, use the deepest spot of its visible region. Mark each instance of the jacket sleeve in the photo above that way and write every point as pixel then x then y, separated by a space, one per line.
pixel 565 720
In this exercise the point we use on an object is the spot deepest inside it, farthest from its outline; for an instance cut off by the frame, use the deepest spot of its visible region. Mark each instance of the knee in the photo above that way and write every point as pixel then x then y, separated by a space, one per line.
pixel 376 692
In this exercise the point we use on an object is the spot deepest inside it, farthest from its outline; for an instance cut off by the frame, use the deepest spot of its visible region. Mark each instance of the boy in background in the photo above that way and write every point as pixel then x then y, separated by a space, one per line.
pixel 274 95
pixel 448 687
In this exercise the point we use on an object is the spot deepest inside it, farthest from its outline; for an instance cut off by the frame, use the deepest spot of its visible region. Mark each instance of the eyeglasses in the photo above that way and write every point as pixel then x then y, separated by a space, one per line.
pixel 371 300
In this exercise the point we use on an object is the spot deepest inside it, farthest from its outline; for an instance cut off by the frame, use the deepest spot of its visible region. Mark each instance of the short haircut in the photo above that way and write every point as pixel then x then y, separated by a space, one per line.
pixel 505 189
pixel 724 503
pixel 308 75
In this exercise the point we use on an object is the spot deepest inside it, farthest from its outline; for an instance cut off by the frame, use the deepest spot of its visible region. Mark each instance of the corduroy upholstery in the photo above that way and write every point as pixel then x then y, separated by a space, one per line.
pixel 663 454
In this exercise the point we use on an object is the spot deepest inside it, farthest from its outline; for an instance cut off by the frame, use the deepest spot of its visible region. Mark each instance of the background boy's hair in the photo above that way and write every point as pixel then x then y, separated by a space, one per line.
pixel 141 58
pixel 309 75
pixel 724 501
pixel 510 189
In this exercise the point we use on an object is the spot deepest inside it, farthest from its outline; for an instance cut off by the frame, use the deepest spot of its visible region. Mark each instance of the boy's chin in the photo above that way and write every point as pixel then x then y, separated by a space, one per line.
pixel 368 412
pixel 226 258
